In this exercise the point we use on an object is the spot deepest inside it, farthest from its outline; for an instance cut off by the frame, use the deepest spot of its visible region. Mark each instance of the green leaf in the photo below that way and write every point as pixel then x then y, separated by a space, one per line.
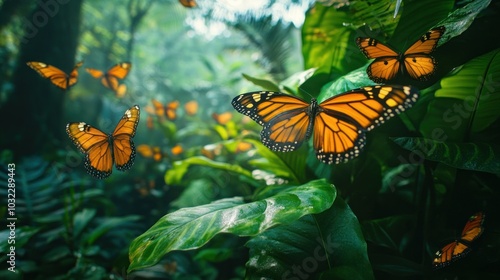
pixel 81 220
pixel 295 80
pixel 330 243
pixel 265 84
pixel 191 228
pixel 325 39
pixel 328 33
pixel 470 156
pixel 414 22
pixel 289 165
pixel 174 175
pixel 107 224
pixel 478 91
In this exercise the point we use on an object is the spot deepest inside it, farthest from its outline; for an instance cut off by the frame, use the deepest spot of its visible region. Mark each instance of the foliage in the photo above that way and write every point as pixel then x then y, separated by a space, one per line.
pixel 56 236
pixel 409 201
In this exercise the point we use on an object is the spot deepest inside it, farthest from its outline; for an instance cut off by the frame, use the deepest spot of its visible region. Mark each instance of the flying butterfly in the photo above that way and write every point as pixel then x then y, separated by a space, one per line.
pixel 460 247
pixel 337 124
pixel 102 150
pixel 56 75
pixel 153 152
pixel 169 110
pixel 416 61
pixel 110 79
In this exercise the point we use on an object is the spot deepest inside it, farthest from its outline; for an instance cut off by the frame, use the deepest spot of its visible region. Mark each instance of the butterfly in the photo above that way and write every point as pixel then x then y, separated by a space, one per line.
pixel 415 61
pixel 56 75
pixel 150 152
pixel 461 247
pixel 111 77
pixel 337 124
pixel 102 150
pixel 169 110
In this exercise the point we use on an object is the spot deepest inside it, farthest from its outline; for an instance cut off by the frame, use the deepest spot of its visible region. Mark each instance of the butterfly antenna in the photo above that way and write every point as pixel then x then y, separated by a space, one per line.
pixel 303 92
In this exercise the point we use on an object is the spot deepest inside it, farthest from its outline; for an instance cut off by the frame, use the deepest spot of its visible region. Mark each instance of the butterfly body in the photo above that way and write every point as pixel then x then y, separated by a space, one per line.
pixel 416 61
pixel 336 124
pixel 101 149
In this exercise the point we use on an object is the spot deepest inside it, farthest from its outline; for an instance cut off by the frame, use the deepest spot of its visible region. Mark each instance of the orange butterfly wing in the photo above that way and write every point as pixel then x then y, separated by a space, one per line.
pixel 340 125
pixel 95 145
pixel 222 118
pixel 188 3
pixel 191 107
pixel 101 149
pixel 285 119
pixel 386 64
pixel 123 147
pixel 418 63
pixel 158 108
pixel 56 75
pixel 459 248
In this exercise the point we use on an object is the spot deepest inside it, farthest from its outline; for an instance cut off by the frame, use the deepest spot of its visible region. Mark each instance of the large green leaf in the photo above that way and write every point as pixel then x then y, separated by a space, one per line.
pixel 467 102
pixel 417 18
pixel 265 84
pixel 289 165
pixel 470 156
pixel 325 246
pixel 191 228
pixel 477 85
pixel 328 33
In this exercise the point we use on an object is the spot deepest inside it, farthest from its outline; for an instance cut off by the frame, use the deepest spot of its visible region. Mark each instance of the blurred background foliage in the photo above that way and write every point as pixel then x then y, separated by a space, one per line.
pixel 205 199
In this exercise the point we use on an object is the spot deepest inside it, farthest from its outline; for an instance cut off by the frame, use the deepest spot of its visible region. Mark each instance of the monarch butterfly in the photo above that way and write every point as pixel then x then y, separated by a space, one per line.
pixel 110 78
pixel 56 75
pixel 415 61
pixel 337 124
pixel 461 247
pixel 102 149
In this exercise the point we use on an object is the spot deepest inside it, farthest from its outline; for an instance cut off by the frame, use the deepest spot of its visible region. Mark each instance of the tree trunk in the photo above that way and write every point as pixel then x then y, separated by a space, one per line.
pixel 32 115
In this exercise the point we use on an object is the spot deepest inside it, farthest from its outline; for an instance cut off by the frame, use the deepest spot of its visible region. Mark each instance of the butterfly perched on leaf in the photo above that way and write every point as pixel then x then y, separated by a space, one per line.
pixel 110 79
pixel 56 75
pixel 337 124
pixel 459 248
pixel 416 61
pixel 102 150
